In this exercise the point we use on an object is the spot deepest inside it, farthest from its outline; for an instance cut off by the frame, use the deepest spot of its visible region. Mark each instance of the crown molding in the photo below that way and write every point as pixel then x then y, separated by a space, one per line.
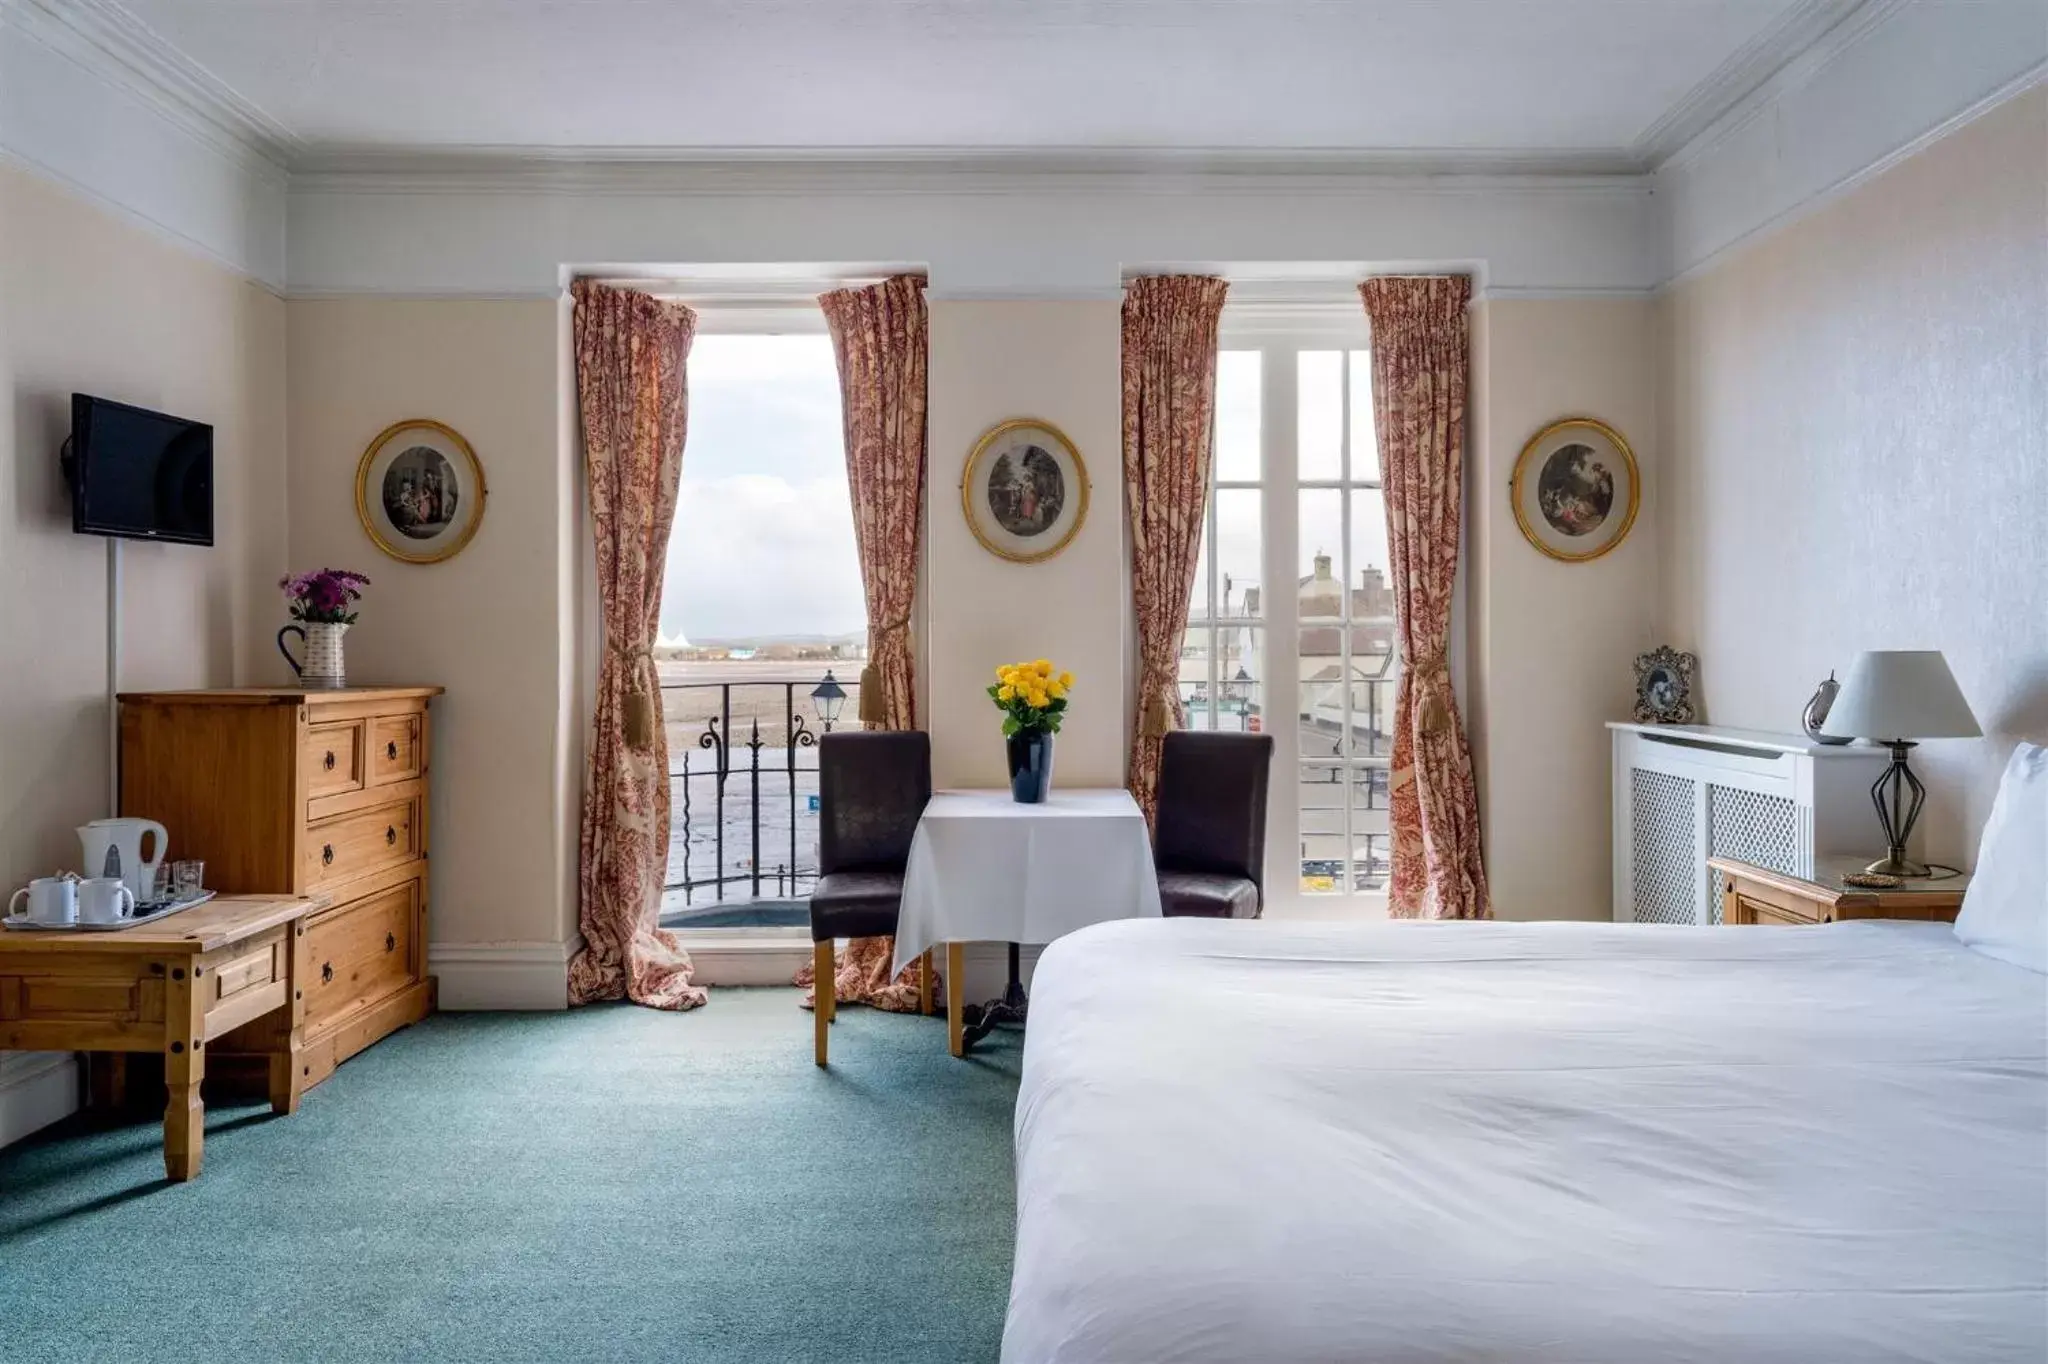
pixel 1796 69
pixel 1750 66
pixel 116 46
pixel 953 171
pixel 2034 75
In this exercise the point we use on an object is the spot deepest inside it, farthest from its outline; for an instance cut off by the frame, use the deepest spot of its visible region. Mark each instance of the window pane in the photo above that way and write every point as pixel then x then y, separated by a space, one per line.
pixel 1197 645
pixel 1322 828
pixel 1320 718
pixel 1370 596
pixel 1237 416
pixel 1320 414
pixel 1198 596
pixel 1369 826
pixel 1320 543
pixel 1365 451
pixel 1238 697
pixel 1238 540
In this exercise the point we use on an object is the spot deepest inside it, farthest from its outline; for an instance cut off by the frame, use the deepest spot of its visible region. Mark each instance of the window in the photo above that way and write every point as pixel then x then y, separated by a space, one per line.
pixel 761 605
pixel 1296 500
pixel 1344 651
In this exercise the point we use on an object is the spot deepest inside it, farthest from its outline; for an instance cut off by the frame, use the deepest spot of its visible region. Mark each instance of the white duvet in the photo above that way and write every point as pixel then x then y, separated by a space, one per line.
pixel 1606 1144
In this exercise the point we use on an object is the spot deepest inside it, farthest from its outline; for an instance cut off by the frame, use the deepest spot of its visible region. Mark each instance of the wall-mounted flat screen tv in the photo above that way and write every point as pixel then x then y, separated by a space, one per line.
pixel 139 474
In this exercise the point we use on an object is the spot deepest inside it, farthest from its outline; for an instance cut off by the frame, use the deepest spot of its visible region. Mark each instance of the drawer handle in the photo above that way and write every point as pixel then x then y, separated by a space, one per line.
pixel 390 835
pixel 326 970
pixel 390 942
pixel 391 750
pixel 326 854
pixel 328 761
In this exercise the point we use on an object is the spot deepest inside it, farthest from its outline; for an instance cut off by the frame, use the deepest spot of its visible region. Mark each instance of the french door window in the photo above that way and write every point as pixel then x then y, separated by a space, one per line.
pixel 1290 625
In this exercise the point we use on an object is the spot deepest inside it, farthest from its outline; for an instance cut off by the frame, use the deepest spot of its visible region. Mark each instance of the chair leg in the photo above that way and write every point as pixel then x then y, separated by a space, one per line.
pixel 823 968
pixel 956 1001
pixel 924 982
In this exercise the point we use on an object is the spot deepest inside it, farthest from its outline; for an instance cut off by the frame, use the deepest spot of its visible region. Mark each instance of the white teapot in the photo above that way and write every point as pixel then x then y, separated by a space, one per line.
pixel 113 847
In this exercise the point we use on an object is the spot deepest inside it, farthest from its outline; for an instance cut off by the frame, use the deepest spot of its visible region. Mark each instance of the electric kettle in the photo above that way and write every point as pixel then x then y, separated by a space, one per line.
pixel 113 847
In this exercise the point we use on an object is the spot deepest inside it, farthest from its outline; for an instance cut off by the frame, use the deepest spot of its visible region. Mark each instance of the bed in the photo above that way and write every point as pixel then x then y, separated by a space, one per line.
pixel 1608 1144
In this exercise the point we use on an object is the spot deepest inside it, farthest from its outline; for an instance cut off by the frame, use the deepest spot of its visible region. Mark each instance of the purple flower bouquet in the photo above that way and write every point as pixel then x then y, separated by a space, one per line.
pixel 325 595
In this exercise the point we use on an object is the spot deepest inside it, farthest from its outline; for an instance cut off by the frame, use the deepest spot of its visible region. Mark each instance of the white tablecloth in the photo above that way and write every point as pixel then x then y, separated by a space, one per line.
pixel 984 868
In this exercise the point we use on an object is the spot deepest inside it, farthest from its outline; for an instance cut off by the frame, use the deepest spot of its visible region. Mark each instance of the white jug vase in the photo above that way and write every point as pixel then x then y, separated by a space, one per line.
pixel 322 666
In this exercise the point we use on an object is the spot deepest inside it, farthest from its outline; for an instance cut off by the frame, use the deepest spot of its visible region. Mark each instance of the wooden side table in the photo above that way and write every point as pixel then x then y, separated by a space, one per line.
pixel 1757 895
pixel 170 987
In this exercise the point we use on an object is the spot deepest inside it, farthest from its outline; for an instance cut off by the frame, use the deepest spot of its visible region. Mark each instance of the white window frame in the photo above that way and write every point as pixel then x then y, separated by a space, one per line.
pixel 1281 332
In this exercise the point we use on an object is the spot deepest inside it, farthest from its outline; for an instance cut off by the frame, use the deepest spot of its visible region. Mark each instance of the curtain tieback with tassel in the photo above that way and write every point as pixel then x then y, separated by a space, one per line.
pixel 638 720
pixel 1436 673
pixel 1155 721
pixel 874 699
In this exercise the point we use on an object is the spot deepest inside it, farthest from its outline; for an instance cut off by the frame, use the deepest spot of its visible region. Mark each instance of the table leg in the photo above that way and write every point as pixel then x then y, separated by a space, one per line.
pixel 823 971
pixel 287 1060
pixel 956 977
pixel 924 982
pixel 184 1069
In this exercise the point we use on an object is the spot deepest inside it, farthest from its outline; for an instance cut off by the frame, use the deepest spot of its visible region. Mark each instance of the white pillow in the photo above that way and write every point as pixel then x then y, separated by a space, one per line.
pixel 2005 909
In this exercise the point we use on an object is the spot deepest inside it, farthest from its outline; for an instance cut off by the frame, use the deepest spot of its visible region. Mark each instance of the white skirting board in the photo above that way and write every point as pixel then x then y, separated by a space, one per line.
pixel 502 975
pixel 535 975
pixel 744 960
pixel 36 1089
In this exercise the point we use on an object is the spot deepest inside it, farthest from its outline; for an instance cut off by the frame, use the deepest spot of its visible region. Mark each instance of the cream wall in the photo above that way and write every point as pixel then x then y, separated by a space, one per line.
pixel 1857 452
pixel 92 304
pixel 487 624
pixel 1059 362
pixel 1551 645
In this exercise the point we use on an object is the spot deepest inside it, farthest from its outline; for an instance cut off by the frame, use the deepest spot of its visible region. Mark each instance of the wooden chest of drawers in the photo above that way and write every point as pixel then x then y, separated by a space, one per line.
pixel 290 791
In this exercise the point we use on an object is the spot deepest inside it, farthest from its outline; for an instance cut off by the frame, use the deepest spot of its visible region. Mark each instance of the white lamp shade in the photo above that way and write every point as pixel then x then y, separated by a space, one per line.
pixel 1898 694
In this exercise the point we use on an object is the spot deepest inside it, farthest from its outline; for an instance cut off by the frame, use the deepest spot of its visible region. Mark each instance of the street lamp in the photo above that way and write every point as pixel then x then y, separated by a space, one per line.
pixel 1237 695
pixel 826 699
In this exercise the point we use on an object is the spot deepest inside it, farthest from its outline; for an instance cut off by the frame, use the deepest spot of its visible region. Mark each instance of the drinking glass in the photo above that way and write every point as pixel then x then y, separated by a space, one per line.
pixel 187 877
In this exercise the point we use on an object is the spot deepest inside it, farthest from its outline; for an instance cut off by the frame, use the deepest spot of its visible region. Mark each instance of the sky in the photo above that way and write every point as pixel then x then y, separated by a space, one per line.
pixel 763 542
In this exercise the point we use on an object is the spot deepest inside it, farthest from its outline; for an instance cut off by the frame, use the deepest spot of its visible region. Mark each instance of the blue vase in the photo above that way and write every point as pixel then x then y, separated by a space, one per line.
pixel 1030 766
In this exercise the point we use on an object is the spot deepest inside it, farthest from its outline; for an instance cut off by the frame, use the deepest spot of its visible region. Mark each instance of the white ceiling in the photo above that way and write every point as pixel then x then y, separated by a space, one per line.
pixel 1515 76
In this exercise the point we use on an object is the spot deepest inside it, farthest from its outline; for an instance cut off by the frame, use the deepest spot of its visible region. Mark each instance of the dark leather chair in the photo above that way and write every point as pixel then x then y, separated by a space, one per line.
pixel 1209 839
pixel 872 788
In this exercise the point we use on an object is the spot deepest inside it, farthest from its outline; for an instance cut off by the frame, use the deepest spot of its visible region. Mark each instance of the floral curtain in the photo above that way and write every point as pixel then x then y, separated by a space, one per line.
pixel 631 358
pixel 1169 372
pixel 878 337
pixel 1420 347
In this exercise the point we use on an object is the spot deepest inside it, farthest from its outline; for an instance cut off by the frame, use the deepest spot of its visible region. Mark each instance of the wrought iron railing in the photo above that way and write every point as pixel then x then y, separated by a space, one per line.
pixel 743 803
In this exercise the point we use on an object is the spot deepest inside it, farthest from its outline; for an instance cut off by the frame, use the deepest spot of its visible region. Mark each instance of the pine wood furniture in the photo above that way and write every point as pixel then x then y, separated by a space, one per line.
pixel 290 791
pixel 238 964
pixel 1758 895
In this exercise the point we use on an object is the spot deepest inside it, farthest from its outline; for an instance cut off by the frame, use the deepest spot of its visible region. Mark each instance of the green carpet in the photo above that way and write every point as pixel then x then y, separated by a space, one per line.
pixel 609 1184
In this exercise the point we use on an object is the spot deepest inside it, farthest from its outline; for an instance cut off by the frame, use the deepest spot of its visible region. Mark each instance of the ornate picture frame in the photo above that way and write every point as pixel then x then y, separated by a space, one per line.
pixel 1024 490
pixel 1664 680
pixel 420 491
pixel 1576 489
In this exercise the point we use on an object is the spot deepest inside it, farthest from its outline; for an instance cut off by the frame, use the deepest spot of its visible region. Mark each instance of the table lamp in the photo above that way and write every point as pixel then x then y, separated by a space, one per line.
pixel 1895 697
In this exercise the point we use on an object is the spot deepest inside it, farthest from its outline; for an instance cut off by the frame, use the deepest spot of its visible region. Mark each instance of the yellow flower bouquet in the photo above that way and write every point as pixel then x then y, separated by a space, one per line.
pixel 1033 699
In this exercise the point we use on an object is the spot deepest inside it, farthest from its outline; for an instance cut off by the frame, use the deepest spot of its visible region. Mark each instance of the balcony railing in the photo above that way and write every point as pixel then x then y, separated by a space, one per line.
pixel 743 802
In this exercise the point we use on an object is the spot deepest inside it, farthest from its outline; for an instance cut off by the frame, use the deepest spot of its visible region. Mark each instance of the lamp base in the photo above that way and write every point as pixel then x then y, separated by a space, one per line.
pixel 1898 866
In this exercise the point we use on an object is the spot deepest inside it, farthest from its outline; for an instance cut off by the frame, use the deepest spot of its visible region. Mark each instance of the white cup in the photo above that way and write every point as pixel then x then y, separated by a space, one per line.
pixel 104 900
pixel 51 900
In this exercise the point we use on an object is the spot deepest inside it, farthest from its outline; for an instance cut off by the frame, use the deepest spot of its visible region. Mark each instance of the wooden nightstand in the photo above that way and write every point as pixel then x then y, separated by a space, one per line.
pixel 1757 895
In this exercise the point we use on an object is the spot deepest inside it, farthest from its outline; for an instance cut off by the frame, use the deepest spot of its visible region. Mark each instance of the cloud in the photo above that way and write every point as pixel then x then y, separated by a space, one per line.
pixel 758 555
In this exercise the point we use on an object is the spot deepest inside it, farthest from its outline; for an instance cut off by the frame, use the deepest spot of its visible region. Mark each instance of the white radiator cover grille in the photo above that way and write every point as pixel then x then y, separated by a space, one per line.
pixel 1684 794
pixel 1661 831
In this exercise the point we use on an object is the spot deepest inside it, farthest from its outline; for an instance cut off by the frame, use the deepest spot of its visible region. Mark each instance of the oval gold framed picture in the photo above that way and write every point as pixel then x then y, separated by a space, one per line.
pixel 1025 491
pixel 420 491
pixel 1575 489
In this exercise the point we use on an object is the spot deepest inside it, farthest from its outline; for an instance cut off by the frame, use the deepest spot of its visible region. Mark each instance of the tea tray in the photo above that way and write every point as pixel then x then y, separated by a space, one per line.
pixel 149 914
